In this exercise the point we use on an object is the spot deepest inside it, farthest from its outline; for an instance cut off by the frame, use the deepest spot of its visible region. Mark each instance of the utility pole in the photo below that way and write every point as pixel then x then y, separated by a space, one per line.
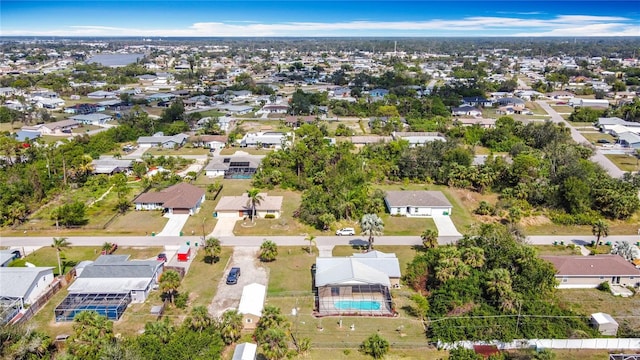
pixel 518 321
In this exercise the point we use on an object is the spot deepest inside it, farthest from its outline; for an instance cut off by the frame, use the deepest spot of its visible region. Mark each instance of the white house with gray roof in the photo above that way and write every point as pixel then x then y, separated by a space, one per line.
pixel 417 203
pixel 160 140
pixel 24 285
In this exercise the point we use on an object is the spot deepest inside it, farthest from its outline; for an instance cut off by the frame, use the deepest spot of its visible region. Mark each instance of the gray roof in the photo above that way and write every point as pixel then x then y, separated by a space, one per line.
pixel 118 266
pixel 629 137
pixel 218 163
pixel 107 166
pixel 351 271
pixel 22 135
pixel 417 198
pixel 91 117
pixel 178 138
pixel 15 282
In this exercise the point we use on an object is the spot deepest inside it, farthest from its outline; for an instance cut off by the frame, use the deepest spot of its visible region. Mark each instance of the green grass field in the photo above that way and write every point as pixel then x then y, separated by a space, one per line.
pixel 625 162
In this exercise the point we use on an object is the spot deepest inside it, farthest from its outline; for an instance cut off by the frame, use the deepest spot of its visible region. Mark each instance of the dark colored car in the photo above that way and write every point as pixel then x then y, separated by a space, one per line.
pixel 603 141
pixel 162 257
pixel 233 276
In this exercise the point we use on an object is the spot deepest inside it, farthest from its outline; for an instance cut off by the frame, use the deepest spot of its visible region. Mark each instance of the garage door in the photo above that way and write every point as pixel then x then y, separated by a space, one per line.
pixel 180 211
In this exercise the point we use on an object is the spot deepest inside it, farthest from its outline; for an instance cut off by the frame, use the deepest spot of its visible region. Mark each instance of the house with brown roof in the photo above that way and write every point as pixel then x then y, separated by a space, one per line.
pixel 181 198
pixel 239 206
pixel 54 128
pixel 589 271
pixel 417 203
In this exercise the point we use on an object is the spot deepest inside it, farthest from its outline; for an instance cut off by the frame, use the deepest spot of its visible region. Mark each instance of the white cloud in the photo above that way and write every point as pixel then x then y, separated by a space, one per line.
pixel 561 25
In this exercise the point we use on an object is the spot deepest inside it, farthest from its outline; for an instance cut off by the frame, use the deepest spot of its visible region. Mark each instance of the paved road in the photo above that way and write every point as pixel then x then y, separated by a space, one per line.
pixel 598 157
pixel 285 240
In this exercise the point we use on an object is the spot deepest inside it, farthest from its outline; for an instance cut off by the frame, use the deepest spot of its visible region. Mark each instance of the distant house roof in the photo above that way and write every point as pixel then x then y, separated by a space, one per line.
pixel 371 139
pixel 465 109
pixel 229 162
pixel 61 124
pixel 597 265
pixel 417 198
pixel 91 117
pixel 237 203
pixel 15 282
pixel 209 138
pixel 510 101
pixel 161 139
pixel 108 166
pixel 178 196
pixel 417 138
pixel 252 300
pixel 22 135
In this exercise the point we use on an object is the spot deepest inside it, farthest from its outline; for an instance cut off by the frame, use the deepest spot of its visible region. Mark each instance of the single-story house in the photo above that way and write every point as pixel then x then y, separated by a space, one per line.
pixel 604 122
pixel 378 93
pixel 233 167
pixel 7 256
pixel 159 139
pixel 58 127
pixel 84 109
pixel 629 139
pixel 209 141
pixel 591 271
pixel 466 110
pixel 92 119
pixel 592 103
pixel 476 101
pixel 417 203
pixel 111 166
pixel 511 101
pixel 604 323
pixel 100 94
pixel 356 285
pixel 418 138
pixel 180 198
pixel 273 109
pixel 251 304
pixel 108 285
pixel 24 285
pixel 265 139
pixel 239 206
pixel 163 97
pixel 48 103
pixel 235 109
pixel 245 351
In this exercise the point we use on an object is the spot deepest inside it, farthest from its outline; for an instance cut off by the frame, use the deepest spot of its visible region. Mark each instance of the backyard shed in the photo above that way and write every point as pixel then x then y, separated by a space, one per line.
pixel 245 351
pixel 252 304
pixel 184 253
pixel 604 323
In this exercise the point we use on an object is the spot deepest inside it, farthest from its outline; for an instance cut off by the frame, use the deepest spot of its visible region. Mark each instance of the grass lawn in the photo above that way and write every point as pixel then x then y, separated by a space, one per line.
pixel 290 273
pixel 625 162
pixel 393 354
pixel 201 282
pixel 556 250
pixel 11 127
pixel 156 151
pixel 45 321
pixel 250 151
pixel 593 137
pixel 402 225
pixel 579 124
pixel 85 128
pixel 535 108
pixel 46 256
pixel 211 113
pixel 138 223
pixel 589 301
pixel 562 108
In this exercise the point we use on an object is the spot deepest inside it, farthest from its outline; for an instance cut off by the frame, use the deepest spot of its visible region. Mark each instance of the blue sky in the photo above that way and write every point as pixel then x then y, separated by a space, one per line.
pixel 150 18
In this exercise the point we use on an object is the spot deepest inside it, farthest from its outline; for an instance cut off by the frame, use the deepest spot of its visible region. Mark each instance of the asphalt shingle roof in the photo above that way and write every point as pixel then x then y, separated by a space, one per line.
pixel 417 198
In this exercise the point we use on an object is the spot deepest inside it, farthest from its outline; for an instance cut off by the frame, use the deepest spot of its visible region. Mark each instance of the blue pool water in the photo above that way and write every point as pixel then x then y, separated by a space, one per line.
pixel 357 305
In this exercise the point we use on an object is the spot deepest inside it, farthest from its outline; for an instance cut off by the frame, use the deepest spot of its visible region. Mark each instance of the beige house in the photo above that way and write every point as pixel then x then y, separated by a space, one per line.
pixel 252 304
pixel 573 272
pixel 240 206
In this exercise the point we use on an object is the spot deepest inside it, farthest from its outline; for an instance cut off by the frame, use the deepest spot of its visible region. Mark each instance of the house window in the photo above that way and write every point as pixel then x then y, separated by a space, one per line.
pixel 415 210
pixel 601 277
pixel 564 279
pixel 249 321
pixel 335 291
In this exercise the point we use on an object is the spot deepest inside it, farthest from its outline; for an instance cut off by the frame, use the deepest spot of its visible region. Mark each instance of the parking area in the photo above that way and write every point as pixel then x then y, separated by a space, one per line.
pixel 445 226
pixel 228 296
pixel 174 225
pixel 224 227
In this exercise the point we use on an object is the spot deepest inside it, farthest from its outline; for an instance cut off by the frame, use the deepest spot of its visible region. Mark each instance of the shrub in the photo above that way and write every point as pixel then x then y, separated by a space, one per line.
pixel 270 216
pixel 604 286
pixel 181 300
pixel 484 209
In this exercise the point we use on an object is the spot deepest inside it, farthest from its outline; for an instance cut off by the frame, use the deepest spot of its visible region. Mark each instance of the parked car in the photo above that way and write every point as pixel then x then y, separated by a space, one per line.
pixel 346 232
pixel 233 276
pixel 603 141
pixel 162 257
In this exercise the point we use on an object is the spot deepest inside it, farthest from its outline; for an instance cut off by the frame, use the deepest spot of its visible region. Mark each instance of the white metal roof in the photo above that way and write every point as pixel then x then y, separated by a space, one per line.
pixel 245 351
pixel 252 300
pixel 108 285
pixel 15 282
pixel 350 271
pixel 602 318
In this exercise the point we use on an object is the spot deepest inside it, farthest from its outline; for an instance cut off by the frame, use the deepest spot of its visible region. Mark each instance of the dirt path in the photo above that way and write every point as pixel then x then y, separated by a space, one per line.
pixel 228 296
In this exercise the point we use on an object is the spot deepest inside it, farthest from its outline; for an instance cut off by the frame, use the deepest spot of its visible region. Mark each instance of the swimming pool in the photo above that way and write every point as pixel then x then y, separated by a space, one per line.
pixel 357 305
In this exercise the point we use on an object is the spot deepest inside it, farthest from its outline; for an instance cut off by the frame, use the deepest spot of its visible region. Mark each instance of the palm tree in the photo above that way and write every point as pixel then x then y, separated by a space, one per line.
pixel 599 229
pixel 274 344
pixel 498 283
pixel 230 326
pixel 375 345
pixel 312 240
pixel 212 249
pixel 200 318
pixel 371 225
pixel 429 238
pixel 254 199
pixel 169 283
pixel 473 256
pixel 59 244
pixel 268 251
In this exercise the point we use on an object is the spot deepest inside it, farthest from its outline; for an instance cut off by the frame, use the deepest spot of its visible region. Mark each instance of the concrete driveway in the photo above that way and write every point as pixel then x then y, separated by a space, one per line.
pixel 445 226
pixel 224 227
pixel 251 271
pixel 175 224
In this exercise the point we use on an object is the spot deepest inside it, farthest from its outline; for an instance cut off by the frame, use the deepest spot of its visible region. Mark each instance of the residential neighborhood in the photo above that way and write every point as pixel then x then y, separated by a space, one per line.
pixel 272 194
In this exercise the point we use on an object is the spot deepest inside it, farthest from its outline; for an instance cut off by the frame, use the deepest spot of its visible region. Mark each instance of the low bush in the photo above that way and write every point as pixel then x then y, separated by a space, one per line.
pixel 270 216
pixel 604 286
pixel 484 208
